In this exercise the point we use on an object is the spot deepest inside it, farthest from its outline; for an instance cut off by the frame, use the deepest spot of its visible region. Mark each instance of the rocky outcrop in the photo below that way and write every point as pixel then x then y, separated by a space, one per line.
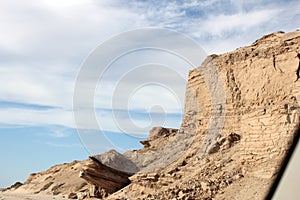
pixel 162 147
pixel 103 177
pixel 117 161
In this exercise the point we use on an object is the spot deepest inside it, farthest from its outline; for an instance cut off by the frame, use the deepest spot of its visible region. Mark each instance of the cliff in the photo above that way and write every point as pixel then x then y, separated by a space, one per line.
pixel 241 116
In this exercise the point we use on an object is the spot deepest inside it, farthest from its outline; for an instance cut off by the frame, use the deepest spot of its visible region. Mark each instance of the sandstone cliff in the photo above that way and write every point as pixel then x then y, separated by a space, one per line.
pixel 241 158
pixel 241 115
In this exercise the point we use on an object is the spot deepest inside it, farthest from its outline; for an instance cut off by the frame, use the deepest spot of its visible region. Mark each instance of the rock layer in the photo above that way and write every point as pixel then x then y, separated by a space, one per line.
pixel 104 177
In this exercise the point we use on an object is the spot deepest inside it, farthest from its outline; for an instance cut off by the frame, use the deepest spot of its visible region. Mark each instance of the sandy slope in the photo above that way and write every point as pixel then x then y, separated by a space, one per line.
pixel 22 194
pixel 29 197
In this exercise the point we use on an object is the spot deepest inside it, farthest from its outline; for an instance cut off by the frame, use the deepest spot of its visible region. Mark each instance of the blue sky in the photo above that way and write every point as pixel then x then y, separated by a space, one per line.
pixel 43 44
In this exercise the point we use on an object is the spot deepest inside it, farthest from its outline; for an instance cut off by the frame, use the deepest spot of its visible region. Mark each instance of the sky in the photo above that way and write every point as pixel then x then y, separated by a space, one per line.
pixel 44 44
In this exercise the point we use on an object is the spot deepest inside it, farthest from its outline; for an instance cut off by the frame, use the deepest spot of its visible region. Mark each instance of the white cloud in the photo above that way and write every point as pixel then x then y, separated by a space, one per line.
pixel 119 121
pixel 60 25
pixel 59 133
pixel 21 116
pixel 239 22
pixel 40 86
pixel 43 43
pixel 231 24
pixel 63 145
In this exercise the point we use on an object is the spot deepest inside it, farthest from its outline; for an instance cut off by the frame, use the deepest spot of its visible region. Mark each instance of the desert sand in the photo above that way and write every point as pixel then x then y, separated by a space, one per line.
pixel 29 197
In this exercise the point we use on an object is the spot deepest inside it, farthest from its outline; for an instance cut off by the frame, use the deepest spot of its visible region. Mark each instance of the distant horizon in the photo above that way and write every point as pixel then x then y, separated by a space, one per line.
pixel 44 44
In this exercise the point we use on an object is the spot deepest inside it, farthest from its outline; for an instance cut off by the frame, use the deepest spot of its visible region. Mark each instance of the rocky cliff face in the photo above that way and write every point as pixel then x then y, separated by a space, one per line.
pixel 235 145
pixel 241 116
